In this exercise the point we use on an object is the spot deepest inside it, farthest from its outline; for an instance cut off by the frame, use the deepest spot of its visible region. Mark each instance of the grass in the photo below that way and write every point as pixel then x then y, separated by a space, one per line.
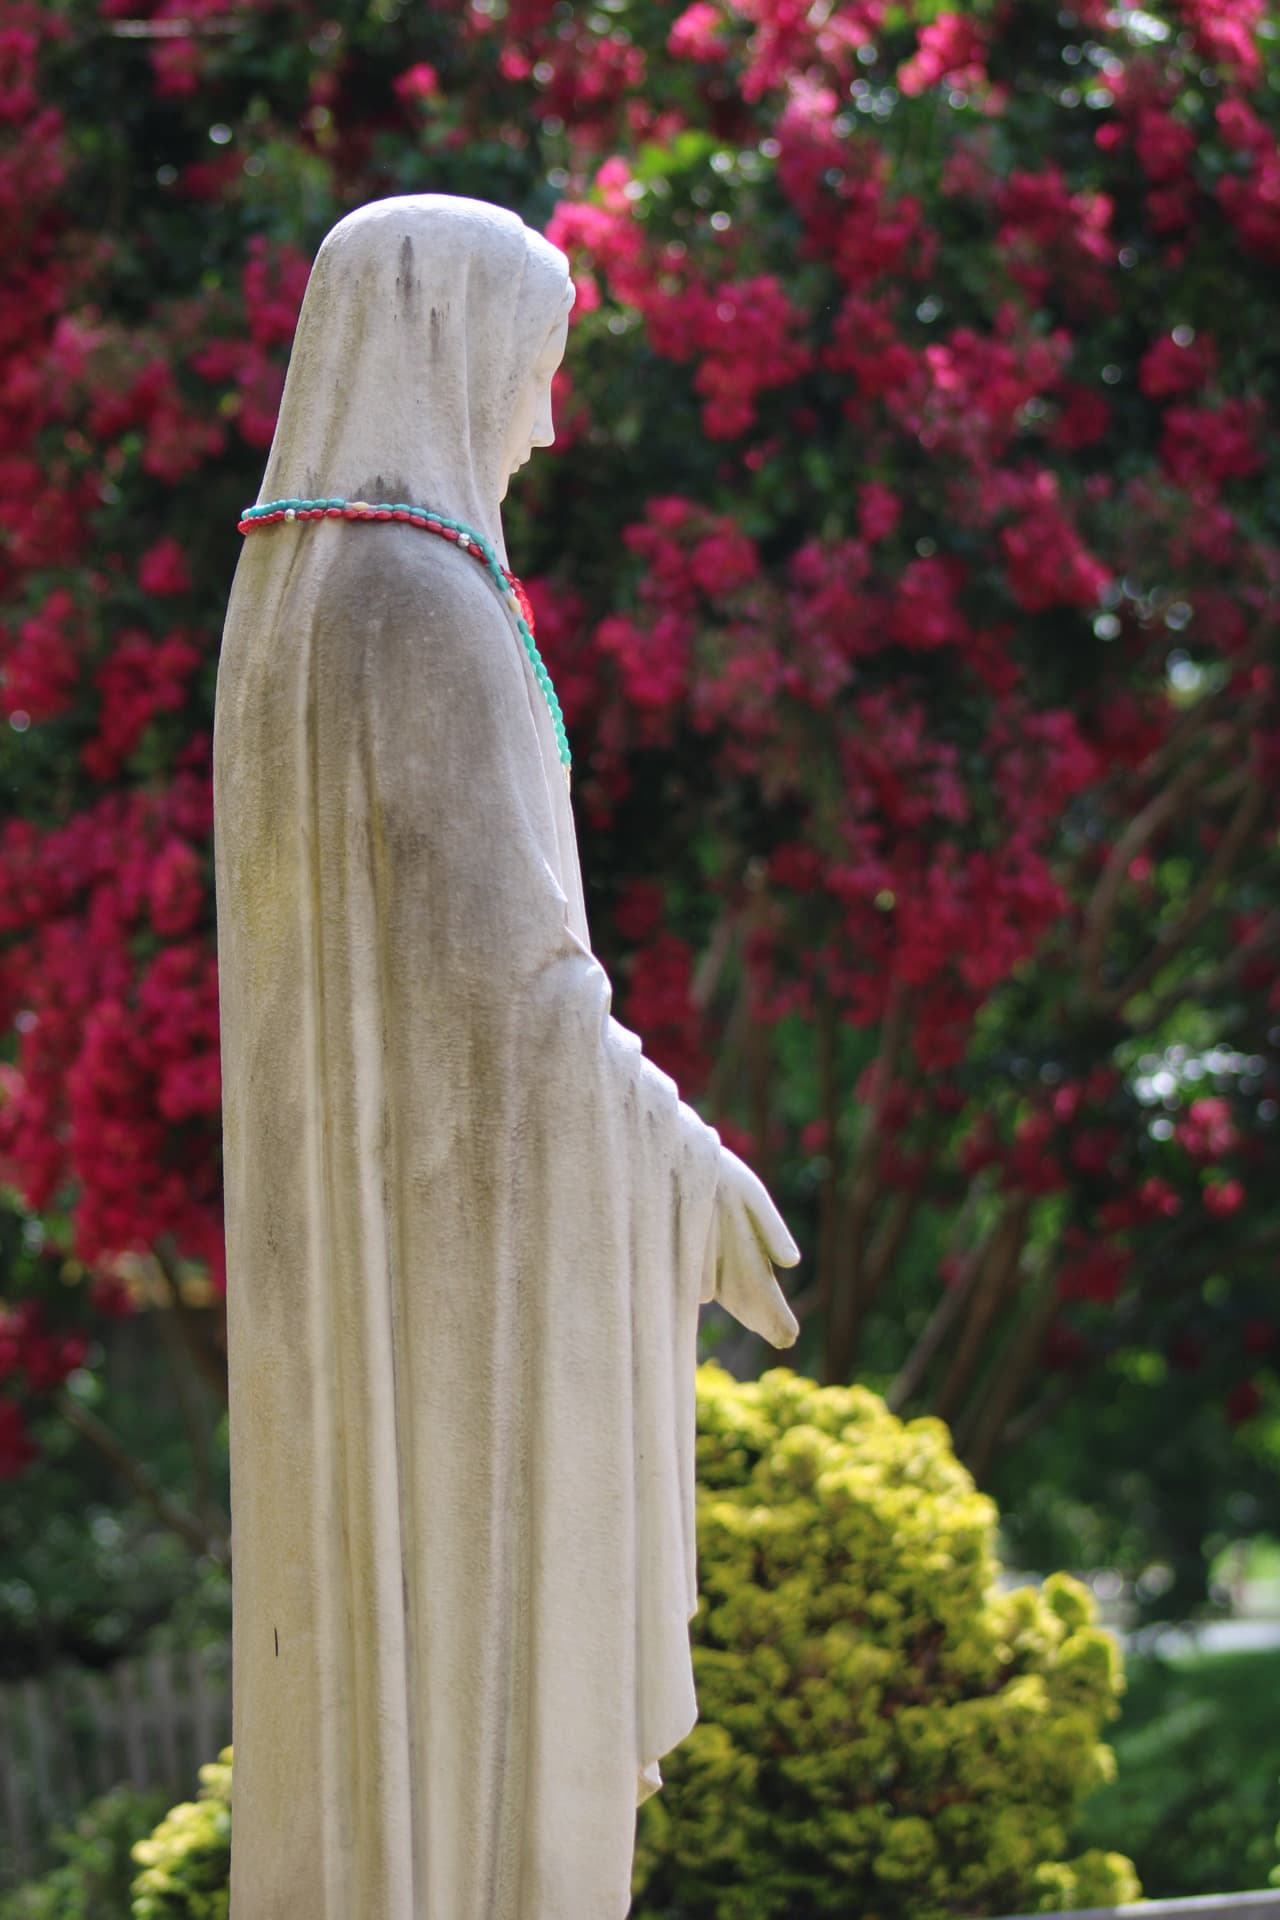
pixel 1256 1559
pixel 1196 1800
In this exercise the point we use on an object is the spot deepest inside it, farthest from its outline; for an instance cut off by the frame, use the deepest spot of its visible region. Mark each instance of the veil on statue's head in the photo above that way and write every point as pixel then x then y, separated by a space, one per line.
pixel 422 320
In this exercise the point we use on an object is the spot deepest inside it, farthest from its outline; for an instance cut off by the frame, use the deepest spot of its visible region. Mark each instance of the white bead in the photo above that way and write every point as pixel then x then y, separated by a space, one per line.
pixel 290 514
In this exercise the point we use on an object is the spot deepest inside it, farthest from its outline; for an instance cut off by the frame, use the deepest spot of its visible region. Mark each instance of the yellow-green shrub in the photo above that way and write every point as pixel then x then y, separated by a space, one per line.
pixel 186 1862
pixel 883 1733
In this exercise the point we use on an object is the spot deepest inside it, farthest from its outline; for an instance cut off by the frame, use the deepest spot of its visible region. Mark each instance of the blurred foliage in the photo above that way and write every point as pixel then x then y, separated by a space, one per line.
pixel 1197 1790
pixel 1146 1480
pixel 93 1880
pixel 88 1569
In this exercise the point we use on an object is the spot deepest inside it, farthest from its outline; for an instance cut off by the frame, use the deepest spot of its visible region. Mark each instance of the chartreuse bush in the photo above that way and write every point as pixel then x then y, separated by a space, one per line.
pixel 186 1863
pixel 883 1732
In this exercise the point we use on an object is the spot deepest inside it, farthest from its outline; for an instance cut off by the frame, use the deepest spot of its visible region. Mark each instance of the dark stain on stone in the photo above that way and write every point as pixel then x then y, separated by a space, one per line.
pixel 406 282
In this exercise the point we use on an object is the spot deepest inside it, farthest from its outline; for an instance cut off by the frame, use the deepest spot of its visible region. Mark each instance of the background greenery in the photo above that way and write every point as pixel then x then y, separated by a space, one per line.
pixel 1197 1764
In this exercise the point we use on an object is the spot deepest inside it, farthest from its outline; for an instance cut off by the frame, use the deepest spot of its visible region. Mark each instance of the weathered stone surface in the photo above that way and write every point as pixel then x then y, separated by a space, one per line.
pixel 469 1224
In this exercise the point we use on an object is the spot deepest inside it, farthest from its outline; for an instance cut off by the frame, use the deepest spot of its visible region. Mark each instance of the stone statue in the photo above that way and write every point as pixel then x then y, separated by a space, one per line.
pixel 468 1223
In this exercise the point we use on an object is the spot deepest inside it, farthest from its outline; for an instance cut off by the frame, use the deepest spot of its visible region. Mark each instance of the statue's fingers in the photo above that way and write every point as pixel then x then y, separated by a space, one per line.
pixel 749 1291
pixel 770 1227
pixel 783 1328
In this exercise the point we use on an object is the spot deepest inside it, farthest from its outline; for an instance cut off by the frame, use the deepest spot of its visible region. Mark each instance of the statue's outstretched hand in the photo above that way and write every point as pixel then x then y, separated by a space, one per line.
pixel 752 1239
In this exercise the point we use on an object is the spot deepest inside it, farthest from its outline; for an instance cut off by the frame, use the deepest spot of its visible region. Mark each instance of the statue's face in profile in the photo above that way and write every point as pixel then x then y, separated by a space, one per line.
pixel 531 424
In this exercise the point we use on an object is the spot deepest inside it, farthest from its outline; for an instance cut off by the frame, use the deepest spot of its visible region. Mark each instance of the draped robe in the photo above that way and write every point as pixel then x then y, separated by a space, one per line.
pixel 468 1222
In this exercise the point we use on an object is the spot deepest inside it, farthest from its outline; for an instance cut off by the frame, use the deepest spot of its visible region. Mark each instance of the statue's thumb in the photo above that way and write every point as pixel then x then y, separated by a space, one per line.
pixel 787 1329
pixel 776 1238
pixel 769 1225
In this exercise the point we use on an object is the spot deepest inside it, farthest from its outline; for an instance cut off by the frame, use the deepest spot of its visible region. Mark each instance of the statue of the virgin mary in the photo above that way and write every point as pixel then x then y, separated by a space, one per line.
pixel 469 1224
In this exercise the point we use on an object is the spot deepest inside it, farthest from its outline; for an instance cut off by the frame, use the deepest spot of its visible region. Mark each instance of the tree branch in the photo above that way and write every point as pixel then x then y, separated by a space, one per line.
pixel 951 1305
pixel 144 1483
pixel 995 1279
pixel 211 1365
pixel 889 1238
pixel 829 1201
pixel 911 1374
pixel 986 1420
pixel 187 1350
pixel 1051 1401
pixel 1240 826
pixel 712 963
pixel 860 1197
pixel 1210 982
pixel 1100 912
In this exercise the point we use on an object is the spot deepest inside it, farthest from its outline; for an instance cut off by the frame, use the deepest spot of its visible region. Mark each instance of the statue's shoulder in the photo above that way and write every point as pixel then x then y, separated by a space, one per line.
pixel 400 567
pixel 402 577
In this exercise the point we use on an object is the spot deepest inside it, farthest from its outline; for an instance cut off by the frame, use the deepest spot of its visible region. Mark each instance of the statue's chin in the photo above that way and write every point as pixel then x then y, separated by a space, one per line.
pixel 516 465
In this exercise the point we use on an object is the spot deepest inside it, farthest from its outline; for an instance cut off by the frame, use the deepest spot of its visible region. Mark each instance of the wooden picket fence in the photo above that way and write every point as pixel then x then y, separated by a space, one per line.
pixel 72 1734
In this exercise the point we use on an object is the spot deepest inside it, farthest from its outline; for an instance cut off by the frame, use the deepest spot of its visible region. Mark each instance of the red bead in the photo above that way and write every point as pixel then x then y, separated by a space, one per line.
pixel 333 513
pixel 401 516
pixel 450 533
pixel 419 520
pixel 382 514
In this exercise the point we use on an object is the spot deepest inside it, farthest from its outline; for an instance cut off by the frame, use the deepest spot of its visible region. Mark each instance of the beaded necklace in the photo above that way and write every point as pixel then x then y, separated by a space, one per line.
pixel 465 538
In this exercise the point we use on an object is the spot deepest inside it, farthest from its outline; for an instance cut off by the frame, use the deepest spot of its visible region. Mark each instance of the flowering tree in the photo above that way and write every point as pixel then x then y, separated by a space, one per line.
pixel 907 568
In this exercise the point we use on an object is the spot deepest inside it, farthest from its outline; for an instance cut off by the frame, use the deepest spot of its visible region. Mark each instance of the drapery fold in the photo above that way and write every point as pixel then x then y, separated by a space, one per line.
pixel 468 1227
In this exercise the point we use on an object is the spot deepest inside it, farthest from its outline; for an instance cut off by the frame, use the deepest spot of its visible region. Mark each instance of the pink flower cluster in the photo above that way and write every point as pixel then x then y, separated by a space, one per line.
pixel 35 1359
pixel 976 464
pixel 687 319
pixel 659 1003
pixel 273 282
pixel 112 1103
pixel 951 47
